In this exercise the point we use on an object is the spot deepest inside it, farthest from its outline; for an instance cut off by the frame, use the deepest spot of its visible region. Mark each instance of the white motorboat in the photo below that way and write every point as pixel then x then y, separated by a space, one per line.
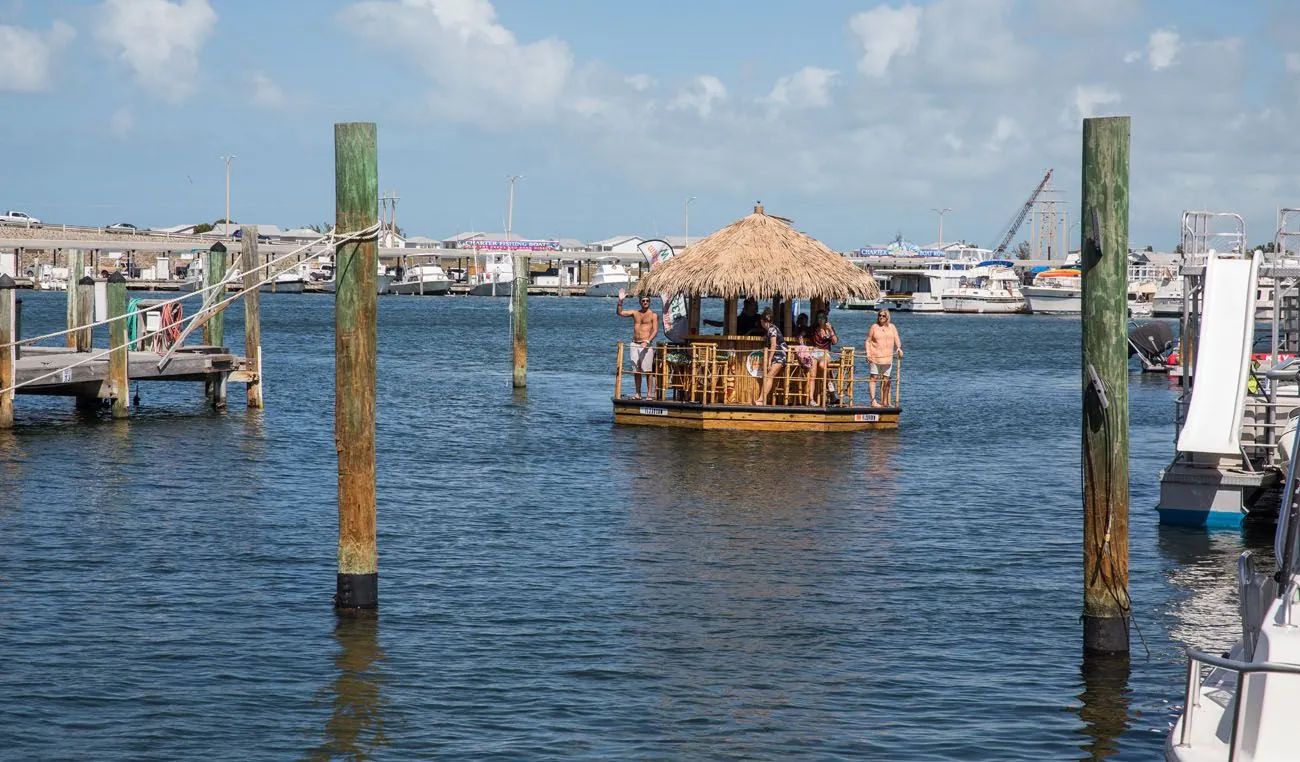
pixel 1055 292
pixel 609 277
pixel 495 278
pixel 1243 707
pixel 287 282
pixel 382 281
pixel 422 280
pixel 992 288
pixel 921 290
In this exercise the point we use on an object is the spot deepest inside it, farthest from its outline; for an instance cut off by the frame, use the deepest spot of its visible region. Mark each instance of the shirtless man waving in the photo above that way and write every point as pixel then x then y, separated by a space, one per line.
pixel 645 326
pixel 882 344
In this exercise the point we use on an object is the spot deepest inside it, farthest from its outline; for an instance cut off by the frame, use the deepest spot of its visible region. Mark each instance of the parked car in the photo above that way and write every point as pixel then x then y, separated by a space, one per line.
pixel 262 237
pixel 15 217
pixel 121 227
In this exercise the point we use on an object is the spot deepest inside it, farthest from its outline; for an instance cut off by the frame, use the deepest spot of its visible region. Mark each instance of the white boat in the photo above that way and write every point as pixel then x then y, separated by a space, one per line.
pixel 495 278
pixel 921 290
pixel 1244 707
pixel 609 277
pixel 1055 292
pixel 422 280
pixel 287 282
pixel 992 288
pixel 382 281
pixel 1168 299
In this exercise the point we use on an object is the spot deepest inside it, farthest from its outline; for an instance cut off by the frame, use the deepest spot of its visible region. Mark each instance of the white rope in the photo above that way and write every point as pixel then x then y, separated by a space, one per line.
pixel 230 275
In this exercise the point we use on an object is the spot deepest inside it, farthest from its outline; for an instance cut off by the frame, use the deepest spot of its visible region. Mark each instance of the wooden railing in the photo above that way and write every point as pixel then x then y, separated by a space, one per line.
pixel 701 372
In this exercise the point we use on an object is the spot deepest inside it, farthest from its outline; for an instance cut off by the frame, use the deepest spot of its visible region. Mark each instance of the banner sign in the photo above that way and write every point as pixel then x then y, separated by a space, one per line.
pixel 657 252
pixel 511 245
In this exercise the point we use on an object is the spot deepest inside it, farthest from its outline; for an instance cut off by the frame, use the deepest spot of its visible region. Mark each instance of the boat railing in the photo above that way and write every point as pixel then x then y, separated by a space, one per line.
pixel 708 373
pixel 1244 670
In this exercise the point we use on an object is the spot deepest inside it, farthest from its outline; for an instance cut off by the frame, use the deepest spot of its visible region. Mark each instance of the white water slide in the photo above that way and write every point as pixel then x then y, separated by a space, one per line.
pixel 1222 357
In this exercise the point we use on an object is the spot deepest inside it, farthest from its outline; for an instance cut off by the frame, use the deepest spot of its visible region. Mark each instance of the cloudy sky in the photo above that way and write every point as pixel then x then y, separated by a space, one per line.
pixel 854 118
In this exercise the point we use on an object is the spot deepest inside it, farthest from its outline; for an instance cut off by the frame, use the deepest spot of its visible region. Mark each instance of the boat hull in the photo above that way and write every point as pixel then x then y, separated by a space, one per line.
pixel 486 289
pixel 421 288
pixel 984 305
pixel 695 415
pixel 1163 306
pixel 607 289
pixel 1044 300
pixel 286 287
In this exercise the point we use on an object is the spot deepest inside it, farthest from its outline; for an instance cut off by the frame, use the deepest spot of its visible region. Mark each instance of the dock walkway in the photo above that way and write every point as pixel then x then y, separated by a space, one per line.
pixel 90 379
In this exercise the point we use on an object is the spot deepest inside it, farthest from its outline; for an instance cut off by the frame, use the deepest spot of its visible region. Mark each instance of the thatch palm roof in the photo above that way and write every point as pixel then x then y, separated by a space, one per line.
pixel 760 256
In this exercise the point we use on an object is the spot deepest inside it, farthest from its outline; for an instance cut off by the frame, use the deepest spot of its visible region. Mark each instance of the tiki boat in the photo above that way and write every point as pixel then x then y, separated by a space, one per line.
pixel 712 381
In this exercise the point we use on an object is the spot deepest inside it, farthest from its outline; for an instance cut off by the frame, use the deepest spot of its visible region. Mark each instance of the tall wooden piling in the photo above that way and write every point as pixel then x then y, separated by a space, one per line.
pixel 214 272
pixel 118 377
pixel 8 351
pixel 84 336
pixel 519 319
pixel 248 263
pixel 76 268
pixel 356 194
pixel 1106 604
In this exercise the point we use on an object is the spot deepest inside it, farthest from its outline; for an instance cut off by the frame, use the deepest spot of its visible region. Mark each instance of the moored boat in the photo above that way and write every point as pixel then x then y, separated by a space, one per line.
pixel 422 280
pixel 610 276
pixel 992 288
pixel 1055 292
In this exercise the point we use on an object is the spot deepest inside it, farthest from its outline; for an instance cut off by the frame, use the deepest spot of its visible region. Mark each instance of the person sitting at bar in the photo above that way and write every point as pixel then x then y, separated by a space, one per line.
pixel 776 343
pixel 747 323
pixel 802 331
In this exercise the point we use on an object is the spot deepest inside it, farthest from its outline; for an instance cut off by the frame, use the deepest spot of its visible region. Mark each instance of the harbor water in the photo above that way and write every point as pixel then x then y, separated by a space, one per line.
pixel 553 587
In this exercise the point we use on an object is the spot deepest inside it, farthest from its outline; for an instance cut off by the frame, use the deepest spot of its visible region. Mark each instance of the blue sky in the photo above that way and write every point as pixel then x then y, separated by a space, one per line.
pixel 854 118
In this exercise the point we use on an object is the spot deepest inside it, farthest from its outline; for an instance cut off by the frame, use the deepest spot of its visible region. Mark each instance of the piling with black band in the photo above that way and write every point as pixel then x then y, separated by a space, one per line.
pixel 356 265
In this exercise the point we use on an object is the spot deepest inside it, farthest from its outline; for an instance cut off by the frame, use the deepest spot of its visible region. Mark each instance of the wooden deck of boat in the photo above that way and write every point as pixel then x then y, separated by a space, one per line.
pixel 192 363
pixel 695 415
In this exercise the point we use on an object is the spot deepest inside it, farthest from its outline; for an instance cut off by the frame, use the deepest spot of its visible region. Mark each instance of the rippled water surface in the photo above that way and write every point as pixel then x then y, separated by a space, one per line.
pixel 553 587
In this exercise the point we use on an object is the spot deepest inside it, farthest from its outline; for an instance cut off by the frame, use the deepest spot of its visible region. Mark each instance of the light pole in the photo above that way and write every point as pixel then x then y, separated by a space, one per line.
pixel 227 159
pixel 941 213
pixel 686 224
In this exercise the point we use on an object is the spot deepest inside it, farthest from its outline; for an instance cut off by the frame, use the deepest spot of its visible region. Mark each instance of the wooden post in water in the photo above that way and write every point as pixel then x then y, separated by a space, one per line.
pixel 356 194
pixel 85 287
pixel 519 319
pixel 1106 604
pixel 8 351
pixel 248 263
pixel 214 272
pixel 118 378
pixel 76 267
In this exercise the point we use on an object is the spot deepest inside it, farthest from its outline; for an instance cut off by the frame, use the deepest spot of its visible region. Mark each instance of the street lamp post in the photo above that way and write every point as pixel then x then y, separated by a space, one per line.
pixel 941 213
pixel 686 223
pixel 227 159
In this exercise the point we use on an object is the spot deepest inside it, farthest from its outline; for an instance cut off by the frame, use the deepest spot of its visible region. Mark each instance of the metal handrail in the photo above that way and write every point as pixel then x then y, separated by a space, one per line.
pixel 1245 669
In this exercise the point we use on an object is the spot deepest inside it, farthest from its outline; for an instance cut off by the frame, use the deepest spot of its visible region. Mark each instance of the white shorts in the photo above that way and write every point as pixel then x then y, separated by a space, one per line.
pixel 643 358
pixel 874 369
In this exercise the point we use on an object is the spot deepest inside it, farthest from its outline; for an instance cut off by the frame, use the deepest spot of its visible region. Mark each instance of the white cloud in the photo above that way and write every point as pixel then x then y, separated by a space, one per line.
pixel 807 88
pixel 1087 102
pixel 160 41
pixel 640 82
pixel 266 93
pixel 1162 49
pixel 1292 63
pixel 885 33
pixel 478 69
pixel 1005 130
pixel 700 95
pixel 27 56
pixel 121 123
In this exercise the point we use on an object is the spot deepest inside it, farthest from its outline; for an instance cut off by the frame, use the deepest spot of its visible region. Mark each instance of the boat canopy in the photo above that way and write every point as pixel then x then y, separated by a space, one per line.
pixel 996 263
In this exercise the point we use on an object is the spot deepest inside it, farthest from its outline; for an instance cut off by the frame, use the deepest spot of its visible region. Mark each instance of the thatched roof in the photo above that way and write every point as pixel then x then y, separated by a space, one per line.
pixel 760 256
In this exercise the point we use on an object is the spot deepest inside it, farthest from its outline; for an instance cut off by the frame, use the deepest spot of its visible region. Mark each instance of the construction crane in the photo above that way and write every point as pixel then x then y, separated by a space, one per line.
pixel 1020 216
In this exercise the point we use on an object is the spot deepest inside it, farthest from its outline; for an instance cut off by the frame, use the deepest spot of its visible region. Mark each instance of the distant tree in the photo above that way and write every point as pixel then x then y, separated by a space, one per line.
pixel 223 221
pixel 322 228
pixel 1022 250
pixel 1178 249
pixel 202 227
pixel 1149 248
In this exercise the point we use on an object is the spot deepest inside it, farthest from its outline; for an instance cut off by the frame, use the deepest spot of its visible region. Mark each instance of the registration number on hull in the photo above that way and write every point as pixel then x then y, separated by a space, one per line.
pixel 866 417
pixel 653 411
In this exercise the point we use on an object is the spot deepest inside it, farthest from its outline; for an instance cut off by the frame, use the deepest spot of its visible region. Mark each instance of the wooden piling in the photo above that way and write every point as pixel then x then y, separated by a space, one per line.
pixel 76 268
pixel 214 272
pixel 1106 604
pixel 118 380
pixel 8 352
pixel 356 192
pixel 519 319
pixel 85 287
pixel 248 263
